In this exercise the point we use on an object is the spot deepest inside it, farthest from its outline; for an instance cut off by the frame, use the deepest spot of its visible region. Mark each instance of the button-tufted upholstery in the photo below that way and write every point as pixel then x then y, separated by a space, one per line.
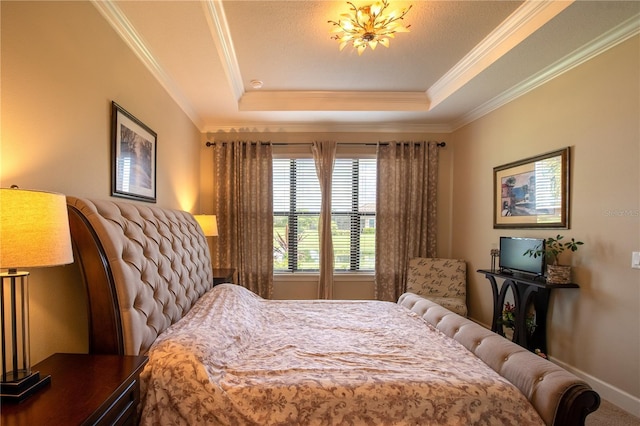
pixel 443 281
pixel 155 261
pixel 548 387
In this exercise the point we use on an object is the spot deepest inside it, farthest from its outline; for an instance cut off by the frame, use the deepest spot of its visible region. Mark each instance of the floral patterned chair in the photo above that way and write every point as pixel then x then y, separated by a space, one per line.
pixel 443 281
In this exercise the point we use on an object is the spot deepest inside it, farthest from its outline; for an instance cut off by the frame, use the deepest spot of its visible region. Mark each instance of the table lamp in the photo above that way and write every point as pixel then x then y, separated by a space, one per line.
pixel 208 223
pixel 34 232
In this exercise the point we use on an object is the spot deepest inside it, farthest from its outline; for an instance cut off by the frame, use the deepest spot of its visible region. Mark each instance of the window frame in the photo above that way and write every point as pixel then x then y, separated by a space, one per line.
pixel 355 151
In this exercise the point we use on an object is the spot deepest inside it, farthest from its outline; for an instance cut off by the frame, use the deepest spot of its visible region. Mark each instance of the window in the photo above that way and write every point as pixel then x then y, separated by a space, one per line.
pixel 296 210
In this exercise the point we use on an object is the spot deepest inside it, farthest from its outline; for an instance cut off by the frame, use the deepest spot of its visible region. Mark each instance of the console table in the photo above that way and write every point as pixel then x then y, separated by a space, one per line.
pixel 527 291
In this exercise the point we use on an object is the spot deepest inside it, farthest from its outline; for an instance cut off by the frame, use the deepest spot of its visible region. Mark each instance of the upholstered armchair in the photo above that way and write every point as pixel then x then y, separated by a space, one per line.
pixel 443 281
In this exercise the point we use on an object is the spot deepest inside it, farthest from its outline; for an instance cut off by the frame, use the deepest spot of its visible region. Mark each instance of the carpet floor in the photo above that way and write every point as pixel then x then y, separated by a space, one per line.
pixel 610 415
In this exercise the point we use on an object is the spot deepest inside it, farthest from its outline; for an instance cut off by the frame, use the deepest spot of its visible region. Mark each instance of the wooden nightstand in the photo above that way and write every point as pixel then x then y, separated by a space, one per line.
pixel 85 390
pixel 223 276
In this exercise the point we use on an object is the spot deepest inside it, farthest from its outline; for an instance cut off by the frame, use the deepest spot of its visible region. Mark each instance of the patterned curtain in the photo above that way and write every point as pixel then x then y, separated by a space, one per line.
pixel 405 211
pixel 324 155
pixel 243 201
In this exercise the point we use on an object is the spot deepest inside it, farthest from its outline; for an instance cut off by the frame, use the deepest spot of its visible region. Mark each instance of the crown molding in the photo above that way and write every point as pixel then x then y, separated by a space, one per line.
pixel 610 39
pixel 123 27
pixel 523 22
pixel 221 35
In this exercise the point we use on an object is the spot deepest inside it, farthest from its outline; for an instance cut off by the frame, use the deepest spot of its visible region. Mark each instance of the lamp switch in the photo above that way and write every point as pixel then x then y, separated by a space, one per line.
pixel 635 259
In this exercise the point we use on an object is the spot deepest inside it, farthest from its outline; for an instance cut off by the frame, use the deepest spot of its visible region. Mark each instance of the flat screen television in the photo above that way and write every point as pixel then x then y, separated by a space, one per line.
pixel 512 258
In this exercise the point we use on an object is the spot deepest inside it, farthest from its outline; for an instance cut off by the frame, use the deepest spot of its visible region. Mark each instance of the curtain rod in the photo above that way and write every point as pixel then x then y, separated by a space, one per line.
pixel 439 144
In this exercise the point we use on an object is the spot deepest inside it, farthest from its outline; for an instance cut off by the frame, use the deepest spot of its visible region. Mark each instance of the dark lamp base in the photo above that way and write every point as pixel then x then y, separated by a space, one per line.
pixel 19 390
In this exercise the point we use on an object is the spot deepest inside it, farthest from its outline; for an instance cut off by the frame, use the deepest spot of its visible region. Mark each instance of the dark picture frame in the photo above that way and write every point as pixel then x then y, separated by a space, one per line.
pixel 533 193
pixel 133 157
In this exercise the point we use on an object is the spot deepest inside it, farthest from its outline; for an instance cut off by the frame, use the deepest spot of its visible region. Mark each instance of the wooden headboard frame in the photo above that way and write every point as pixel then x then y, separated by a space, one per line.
pixel 143 267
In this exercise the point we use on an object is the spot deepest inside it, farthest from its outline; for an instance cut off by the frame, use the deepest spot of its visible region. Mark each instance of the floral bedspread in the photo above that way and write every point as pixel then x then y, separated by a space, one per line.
pixel 237 359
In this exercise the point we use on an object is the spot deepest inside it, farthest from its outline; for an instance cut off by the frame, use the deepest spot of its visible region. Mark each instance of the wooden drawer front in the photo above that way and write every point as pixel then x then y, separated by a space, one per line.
pixel 123 409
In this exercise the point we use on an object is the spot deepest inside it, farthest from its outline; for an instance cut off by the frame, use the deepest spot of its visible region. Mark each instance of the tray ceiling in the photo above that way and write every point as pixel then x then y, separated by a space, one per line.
pixel 461 60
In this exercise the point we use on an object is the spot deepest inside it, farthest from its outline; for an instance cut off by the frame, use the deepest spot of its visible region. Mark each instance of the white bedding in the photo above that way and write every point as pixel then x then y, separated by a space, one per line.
pixel 237 359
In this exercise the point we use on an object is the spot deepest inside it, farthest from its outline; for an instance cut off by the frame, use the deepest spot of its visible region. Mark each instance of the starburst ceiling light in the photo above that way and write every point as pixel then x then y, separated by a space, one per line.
pixel 369 25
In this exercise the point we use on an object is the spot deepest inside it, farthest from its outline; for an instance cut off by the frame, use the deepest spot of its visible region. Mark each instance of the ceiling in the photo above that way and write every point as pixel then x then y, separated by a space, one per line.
pixel 461 60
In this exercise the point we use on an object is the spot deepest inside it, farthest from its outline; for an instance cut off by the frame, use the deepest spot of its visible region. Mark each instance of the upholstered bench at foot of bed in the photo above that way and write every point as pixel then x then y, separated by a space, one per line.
pixel 560 397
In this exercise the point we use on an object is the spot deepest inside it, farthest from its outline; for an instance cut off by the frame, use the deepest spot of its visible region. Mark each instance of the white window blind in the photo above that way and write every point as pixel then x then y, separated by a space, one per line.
pixel 296 205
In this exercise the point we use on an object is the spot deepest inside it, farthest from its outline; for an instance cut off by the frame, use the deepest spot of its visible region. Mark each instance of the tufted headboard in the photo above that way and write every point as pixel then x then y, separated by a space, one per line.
pixel 143 267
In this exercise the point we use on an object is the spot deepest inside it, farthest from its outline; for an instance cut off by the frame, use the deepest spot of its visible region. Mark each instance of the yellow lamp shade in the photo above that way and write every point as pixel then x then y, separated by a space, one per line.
pixel 34 229
pixel 208 223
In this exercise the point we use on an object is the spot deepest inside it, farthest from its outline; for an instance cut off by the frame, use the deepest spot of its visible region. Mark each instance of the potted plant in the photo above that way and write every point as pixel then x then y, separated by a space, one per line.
pixel 553 247
pixel 508 319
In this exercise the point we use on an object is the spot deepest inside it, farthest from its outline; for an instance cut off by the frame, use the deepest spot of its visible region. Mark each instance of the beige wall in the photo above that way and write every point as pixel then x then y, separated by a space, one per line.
pixel 594 109
pixel 62 65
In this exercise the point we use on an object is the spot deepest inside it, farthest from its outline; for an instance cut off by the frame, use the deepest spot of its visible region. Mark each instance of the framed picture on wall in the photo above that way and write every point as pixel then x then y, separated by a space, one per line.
pixel 532 193
pixel 133 153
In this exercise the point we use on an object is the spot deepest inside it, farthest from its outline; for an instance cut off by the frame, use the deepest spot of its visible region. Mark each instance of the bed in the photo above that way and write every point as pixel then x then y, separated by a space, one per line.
pixel 222 355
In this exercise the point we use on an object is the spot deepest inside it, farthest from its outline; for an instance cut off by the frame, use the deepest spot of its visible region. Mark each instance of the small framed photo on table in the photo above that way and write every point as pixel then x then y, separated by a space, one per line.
pixel 133 153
